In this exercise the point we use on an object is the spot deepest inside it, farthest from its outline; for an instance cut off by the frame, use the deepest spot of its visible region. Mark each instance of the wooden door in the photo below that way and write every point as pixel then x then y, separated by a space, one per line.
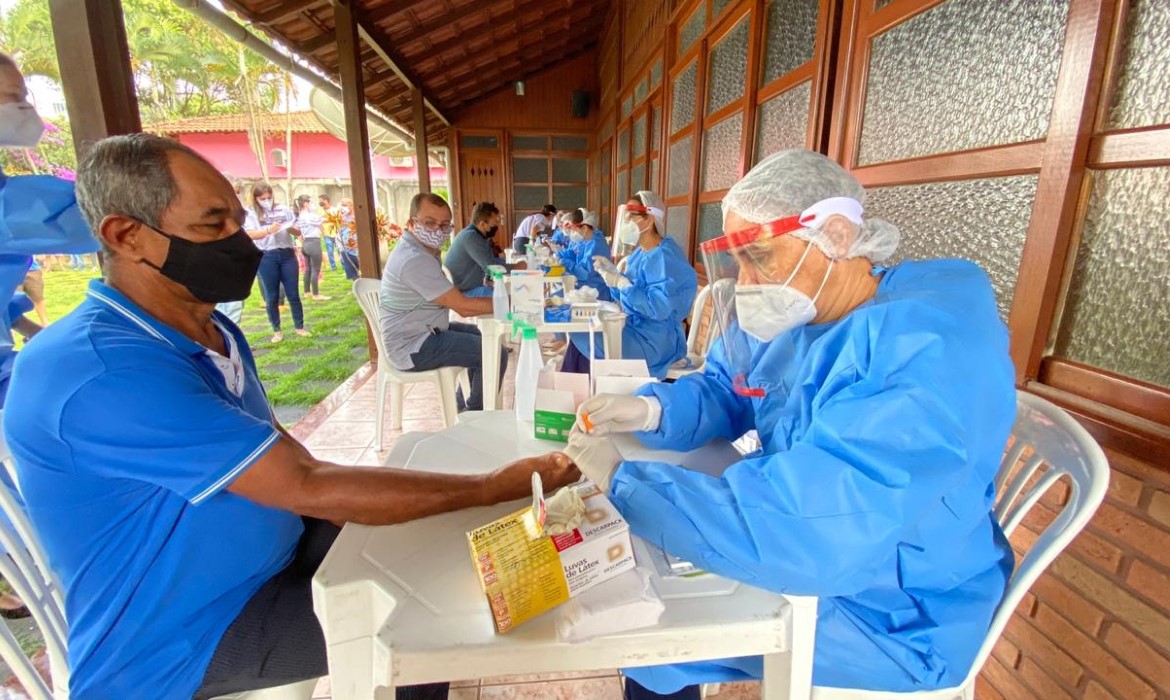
pixel 481 179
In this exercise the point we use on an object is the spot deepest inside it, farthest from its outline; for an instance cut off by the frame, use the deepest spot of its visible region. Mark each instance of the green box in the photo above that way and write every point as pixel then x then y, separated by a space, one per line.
pixel 553 426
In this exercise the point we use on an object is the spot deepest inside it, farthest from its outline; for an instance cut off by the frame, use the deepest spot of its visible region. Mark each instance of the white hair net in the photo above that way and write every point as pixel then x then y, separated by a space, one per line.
pixel 789 182
pixel 652 201
pixel 588 218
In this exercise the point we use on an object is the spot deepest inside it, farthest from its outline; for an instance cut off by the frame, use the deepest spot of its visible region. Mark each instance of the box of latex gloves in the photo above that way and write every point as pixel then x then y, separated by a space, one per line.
pixel 533 560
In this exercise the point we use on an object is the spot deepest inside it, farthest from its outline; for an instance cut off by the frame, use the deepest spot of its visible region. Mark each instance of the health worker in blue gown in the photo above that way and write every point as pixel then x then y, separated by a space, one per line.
pixel 883 398
pixel 655 291
pixel 38 214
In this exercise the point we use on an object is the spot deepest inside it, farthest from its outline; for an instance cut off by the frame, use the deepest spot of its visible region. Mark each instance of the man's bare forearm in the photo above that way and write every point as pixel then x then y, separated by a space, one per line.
pixel 384 496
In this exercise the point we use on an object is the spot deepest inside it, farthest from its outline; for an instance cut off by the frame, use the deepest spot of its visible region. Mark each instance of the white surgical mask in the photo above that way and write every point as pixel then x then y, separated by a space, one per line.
pixel 20 127
pixel 265 204
pixel 344 209
pixel 764 311
pixel 628 233
pixel 576 237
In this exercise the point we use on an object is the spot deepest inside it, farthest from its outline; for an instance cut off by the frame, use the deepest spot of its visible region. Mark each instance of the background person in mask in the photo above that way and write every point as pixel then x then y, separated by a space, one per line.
pixel 585 244
pixel 417 298
pixel 185 524
pixel 656 291
pixel 269 224
pixel 883 398
pixel 347 243
pixel 471 252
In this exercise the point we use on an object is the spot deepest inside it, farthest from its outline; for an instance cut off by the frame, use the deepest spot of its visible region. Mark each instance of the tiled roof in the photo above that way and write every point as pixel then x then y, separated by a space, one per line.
pixel 302 123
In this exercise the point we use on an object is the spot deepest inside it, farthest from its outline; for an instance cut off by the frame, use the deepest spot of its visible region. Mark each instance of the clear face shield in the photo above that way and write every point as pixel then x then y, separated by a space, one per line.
pixel 750 292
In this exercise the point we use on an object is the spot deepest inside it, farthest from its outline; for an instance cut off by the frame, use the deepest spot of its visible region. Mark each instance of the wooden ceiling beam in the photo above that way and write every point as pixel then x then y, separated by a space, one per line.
pixel 482 16
pixel 567 56
pixel 377 41
pixel 549 14
pixel 392 9
pixel 285 10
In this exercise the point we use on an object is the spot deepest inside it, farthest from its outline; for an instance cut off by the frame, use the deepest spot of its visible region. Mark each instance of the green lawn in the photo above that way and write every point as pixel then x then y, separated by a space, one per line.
pixel 298 372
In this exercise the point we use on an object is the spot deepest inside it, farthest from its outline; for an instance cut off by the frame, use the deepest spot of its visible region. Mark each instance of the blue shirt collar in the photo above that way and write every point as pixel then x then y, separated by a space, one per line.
pixel 134 315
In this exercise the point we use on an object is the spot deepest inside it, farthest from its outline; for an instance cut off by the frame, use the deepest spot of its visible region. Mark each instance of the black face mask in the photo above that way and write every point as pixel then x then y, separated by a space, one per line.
pixel 214 272
pixel 491 232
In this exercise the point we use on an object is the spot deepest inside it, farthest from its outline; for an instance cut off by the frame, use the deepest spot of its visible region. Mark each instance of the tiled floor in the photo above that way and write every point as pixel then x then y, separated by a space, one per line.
pixel 346 436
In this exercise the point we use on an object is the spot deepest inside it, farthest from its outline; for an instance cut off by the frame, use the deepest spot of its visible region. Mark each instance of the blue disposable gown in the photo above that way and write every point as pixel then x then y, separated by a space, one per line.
pixel 662 291
pixel 38 214
pixel 882 433
pixel 578 262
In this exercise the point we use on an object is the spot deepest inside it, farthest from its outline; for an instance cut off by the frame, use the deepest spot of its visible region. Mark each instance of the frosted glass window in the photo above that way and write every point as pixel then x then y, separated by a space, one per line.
pixel 570 197
pixel 530 169
pixel 605 195
pixel 570 143
pixel 530 197
pixel 728 68
pixel 879 4
pixel 627 106
pixel 710 221
pixel 606 159
pixel 641 90
pixel 964 74
pixel 623 147
pixel 682 102
pixel 570 170
pixel 655 128
pixel 623 185
pixel 692 29
pixel 529 143
pixel 783 121
pixel 1116 316
pixel 721 154
pixel 640 136
pixel 475 141
pixel 656 74
pixel 791 36
pixel 652 184
pixel 679 168
pixel 638 177
pixel 678 225
pixel 718 6
pixel 982 220
pixel 1142 96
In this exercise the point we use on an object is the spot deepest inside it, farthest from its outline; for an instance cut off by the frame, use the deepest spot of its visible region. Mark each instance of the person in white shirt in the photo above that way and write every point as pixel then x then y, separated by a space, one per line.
pixel 532 226
pixel 309 223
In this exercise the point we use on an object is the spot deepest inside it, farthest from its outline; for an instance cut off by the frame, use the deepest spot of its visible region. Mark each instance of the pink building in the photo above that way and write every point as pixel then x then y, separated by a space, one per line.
pixel 316 164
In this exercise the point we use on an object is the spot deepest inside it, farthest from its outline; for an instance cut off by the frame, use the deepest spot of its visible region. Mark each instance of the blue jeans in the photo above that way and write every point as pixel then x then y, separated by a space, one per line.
pixel 459 346
pixel 634 691
pixel 349 263
pixel 279 267
pixel 483 292
pixel 329 243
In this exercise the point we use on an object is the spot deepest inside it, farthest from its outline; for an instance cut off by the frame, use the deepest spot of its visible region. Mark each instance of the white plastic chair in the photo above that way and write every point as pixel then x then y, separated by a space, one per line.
pixel 1044 435
pixel 367 290
pixel 696 356
pixel 26 569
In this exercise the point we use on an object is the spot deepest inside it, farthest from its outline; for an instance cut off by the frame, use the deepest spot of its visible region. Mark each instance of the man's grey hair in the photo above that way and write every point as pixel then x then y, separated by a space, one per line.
pixel 128 176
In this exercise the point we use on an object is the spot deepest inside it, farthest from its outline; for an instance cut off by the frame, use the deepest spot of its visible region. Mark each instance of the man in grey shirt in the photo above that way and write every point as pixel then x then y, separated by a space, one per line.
pixel 417 298
pixel 471 251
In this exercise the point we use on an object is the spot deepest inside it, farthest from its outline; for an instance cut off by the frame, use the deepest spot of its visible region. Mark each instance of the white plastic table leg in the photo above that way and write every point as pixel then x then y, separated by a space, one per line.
pixel 491 332
pixel 788 675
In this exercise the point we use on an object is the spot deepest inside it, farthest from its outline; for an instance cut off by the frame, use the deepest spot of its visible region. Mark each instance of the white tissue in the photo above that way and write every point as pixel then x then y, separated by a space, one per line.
pixel 625 602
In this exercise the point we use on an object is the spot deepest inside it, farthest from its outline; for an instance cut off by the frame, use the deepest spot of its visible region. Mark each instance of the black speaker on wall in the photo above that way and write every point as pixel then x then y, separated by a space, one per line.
pixel 580 104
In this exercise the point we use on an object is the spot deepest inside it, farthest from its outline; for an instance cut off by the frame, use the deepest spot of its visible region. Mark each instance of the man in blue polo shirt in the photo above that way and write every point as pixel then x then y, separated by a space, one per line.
pixel 183 521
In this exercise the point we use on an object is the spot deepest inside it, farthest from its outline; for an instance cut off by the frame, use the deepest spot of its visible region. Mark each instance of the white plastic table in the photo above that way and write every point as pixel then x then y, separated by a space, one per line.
pixel 494 331
pixel 400 605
